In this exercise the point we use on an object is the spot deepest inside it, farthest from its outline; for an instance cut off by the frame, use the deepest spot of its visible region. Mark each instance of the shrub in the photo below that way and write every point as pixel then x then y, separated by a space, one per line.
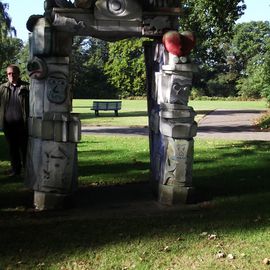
pixel 196 93
pixel 264 121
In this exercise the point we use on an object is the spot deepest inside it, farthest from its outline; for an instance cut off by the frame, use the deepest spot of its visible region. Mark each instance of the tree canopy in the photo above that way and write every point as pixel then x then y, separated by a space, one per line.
pixel 9 45
pixel 88 76
pixel 250 50
pixel 5 21
pixel 234 59
pixel 212 22
pixel 125 67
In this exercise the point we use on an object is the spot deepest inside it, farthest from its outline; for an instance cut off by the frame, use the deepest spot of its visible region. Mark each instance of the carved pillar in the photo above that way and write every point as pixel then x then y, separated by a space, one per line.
pixel 53 131
pixel 171 123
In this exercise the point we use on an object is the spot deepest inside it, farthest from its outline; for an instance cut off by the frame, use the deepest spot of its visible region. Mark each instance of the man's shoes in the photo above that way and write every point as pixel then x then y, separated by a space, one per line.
pixel 11 173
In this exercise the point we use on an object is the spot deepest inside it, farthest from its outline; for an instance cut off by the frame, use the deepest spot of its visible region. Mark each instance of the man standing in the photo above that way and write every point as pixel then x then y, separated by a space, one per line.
pixel 14 111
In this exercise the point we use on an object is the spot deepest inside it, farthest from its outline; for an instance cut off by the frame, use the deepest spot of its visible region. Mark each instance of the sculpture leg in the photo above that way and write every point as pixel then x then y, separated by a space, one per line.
pixel 171 124
pixel 53 131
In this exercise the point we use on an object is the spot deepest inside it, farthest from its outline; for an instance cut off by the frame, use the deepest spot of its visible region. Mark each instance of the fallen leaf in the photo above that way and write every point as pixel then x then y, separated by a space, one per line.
pixel 230 257
pixel 212 236
pixel 266 261
pixel 167 248
pixel 220 255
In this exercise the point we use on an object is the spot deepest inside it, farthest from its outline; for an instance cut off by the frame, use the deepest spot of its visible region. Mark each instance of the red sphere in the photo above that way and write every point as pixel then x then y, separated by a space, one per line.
pixel 179 44
pixel 172 42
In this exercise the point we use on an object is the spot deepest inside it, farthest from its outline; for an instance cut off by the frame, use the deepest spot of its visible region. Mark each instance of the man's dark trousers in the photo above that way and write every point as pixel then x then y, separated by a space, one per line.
pixel 16 136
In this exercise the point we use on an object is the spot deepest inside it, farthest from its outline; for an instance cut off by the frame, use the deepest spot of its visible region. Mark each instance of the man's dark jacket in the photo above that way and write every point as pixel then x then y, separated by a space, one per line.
pixel 5 90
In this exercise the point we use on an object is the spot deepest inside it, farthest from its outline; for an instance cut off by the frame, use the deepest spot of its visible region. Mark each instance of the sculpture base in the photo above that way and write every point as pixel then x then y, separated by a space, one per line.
pixel 50 201
pixel 171 195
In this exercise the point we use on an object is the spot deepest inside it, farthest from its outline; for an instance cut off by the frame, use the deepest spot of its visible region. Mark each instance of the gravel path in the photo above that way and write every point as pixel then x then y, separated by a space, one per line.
pixel 232 125
pixel 219 124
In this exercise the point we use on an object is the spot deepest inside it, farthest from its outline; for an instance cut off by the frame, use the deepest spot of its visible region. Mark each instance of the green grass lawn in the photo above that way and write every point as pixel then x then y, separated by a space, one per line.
pixel 134 112
pixel 91 236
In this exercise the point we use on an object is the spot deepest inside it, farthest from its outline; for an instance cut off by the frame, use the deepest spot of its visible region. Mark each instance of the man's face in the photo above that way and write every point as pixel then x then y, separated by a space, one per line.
pixel 13 75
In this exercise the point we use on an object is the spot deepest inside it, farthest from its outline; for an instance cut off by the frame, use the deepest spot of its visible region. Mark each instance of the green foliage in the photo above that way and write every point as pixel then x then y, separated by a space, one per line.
pixel 265 90
pixel 212 22
pixel 243 67
pixel 5 22
pixel 89 79
pixel 9 46
pixel 126 68
pixel 22 60
pixel 250 41
pixel 251 45
pixel 250 85
pixel 264 121
pixel 196 93
pixel 222 85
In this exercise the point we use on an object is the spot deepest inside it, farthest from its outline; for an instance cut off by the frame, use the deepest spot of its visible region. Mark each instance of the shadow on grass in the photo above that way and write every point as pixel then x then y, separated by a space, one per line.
pixel 20 199
pixel 246 173
pixel 104 215
pixel 3 148
pixel 247 170
pixel 53 237
pixel 86 169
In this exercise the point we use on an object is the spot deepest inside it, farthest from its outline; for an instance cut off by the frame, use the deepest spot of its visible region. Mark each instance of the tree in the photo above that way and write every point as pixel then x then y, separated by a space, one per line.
pixel 250 49
pixel 89 79
pixel 250 84
pixel 5 21
pixel 126 68
pixel 250 40
pixel 22 59
pixel 265 90
pixel 212 22
pixel 256 83
pixel 9 46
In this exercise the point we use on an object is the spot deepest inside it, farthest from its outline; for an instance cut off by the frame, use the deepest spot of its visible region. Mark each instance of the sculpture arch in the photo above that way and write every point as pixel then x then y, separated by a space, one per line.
pixel 54 131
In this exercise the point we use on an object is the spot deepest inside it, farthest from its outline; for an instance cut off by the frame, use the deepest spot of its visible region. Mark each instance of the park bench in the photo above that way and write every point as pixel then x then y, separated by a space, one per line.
pixel 106 106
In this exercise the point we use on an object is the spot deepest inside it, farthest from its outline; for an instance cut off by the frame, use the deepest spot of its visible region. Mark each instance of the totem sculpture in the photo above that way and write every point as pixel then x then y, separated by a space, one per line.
pixel 54 131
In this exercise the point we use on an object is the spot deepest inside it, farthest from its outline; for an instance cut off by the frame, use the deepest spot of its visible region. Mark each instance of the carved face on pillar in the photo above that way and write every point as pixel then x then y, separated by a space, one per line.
pixel 37 68
pixel 174 89
pixel 56 162
pixel 180 91
pixel 177 157
pixel 57 88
